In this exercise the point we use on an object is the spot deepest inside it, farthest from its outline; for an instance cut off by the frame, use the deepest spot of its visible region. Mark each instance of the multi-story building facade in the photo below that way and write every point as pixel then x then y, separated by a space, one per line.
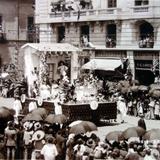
pixel 16 28
pixel 115 28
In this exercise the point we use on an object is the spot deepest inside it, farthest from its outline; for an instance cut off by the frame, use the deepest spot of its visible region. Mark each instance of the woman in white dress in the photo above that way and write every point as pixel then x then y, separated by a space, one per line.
pixel 45 91
pixel 121 106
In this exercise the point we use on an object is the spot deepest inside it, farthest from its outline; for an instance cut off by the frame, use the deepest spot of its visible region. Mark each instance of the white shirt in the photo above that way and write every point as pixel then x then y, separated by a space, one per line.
pixel 121 106
pixel 32 106
pixel 49 151
pixel 17 106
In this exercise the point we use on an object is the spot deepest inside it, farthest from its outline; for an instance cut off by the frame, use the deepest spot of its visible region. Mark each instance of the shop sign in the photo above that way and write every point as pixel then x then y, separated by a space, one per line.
pixel 143 64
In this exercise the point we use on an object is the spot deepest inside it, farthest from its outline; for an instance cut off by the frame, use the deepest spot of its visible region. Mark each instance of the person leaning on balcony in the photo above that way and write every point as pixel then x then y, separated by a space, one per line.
pixel 109 42
pixel 141 43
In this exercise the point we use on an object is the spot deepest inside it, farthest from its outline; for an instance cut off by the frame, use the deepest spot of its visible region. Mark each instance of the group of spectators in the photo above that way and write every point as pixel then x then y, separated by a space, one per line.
pixel 37 140
pixel 69 5
pixel 11 88
pixel 146 42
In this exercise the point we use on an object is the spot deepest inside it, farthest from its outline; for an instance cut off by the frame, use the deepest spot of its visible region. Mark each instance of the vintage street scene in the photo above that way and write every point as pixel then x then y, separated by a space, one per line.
pixel 79 80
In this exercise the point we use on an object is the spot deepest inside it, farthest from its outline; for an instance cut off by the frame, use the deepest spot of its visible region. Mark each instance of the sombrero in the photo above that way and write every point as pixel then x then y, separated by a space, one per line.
pixel 38 135
pixel 27 125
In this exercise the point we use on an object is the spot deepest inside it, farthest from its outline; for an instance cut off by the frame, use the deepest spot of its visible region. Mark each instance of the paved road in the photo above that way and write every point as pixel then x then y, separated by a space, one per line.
pixel 105 128
pixel 130 122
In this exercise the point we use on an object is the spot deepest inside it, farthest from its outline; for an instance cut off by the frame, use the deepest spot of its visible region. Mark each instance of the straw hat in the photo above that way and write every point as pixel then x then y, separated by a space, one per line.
pixel 120 98
pixel 38 135
pixel 90 142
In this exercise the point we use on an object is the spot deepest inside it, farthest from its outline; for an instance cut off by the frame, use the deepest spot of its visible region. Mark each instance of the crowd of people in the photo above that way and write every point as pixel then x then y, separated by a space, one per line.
pixel 146 42
pixel 38 140
pixel 71 5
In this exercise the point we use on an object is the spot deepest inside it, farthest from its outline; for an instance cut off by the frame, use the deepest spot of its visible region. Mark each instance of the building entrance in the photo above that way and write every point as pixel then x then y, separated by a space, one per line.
pixel 143 72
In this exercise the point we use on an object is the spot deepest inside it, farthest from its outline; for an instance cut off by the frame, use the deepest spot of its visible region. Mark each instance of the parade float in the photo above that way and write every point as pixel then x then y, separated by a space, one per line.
pixel 73 95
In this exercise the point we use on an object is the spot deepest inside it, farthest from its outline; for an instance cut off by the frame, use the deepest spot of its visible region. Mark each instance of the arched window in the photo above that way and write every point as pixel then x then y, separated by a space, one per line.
pixel 146 35
pixel 111 35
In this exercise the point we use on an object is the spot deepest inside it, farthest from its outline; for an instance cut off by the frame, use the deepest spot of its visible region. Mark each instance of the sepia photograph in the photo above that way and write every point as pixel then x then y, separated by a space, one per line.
pixel 79 79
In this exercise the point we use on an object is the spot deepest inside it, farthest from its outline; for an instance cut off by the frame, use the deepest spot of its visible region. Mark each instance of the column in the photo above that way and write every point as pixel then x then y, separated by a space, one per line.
pixel 74 66
pixel 130 57
pixel 126 36
pixel 157 37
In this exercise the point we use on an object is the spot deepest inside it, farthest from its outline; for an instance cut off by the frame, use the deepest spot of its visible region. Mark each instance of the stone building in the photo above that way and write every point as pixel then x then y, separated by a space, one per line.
pixel 16 28
pixel 127 29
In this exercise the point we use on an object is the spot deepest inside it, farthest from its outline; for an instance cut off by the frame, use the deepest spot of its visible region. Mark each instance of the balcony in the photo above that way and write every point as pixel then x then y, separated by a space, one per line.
pixel 145 11
pixel 84 15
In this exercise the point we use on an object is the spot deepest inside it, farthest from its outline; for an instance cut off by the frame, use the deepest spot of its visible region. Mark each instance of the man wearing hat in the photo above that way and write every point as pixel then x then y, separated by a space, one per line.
pixel 141 122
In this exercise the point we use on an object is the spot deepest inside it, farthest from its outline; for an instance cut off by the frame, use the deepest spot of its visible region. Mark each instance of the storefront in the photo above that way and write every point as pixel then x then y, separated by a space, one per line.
pixel 146 65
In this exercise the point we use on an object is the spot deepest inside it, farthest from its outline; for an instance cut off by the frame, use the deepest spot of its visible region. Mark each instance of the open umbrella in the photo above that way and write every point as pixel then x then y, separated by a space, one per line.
pixel 143 88
pixel 155 86
pixel 155 93
pixel 83 127
pixel 59 118
pixel 124 90
pixel 6 114
pixel 32 117
pixel 77 129
pixel 135 82
pixel 74 123
pixel 115 135
pixel 133 132
pixel 89 126
pixel 40 111
pixel 134 88
pixel 152 134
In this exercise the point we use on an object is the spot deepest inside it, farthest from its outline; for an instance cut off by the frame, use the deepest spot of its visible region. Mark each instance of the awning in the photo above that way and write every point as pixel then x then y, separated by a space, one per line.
pixel 52 47
pixel 103 64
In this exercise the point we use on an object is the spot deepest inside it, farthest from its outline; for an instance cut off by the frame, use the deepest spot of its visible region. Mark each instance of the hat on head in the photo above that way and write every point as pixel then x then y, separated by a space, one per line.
pixel 120 98
pixel 90 142
pixel 37 125
pixel 102 144
pixel 38 135
pixel 151 104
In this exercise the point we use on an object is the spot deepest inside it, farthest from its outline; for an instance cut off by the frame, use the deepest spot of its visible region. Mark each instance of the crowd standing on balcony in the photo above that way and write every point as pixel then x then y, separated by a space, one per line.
pixel 110 42
pixel 69 5
pixel 146 42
